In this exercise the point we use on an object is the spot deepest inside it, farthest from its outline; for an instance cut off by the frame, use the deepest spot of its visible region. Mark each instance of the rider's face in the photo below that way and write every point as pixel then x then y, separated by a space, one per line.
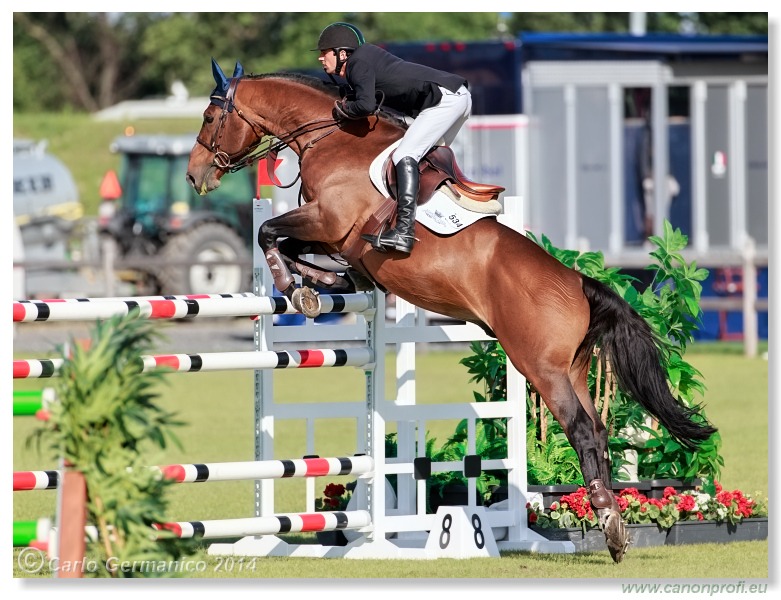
pixel 327 58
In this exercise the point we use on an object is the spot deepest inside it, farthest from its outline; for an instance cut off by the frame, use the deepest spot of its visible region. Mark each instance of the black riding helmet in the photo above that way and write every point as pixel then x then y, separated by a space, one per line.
pixel 340 35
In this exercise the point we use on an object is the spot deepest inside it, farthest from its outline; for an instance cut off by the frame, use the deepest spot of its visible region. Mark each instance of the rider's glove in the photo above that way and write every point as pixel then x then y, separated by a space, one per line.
pixel 338 113
pixel 345 91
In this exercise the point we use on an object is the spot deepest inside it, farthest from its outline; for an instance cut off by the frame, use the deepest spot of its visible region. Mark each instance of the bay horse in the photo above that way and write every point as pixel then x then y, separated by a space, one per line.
pixel 547 317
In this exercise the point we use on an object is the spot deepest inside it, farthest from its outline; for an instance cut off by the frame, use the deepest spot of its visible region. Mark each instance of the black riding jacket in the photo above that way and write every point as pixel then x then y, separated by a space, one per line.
pixel 408 87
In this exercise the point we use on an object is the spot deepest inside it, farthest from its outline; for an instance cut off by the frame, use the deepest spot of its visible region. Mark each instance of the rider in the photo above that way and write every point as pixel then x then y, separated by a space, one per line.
pixel 439 103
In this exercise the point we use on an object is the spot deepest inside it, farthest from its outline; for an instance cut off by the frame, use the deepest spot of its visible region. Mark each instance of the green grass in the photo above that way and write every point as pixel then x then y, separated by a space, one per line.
pixel 734 561
pixel 218 410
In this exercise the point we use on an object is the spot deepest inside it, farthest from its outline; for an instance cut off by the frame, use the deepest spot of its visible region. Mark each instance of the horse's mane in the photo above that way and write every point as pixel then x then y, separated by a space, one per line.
pixel 328 88
pixel 308 80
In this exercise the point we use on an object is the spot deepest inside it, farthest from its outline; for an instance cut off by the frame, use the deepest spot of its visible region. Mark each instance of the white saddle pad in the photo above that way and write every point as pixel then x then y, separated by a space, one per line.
pixel 440 214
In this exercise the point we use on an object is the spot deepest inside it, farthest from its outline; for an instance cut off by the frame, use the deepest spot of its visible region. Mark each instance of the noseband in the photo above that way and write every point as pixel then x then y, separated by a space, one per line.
pixel 247 156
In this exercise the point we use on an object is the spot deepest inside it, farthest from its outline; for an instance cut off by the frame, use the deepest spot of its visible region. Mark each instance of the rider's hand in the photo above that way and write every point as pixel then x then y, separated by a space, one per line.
pixel 345 91
pixel 338 113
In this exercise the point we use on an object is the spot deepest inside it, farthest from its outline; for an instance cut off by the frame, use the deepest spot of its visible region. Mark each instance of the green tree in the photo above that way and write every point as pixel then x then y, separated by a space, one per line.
pixel 732 23
pixel 575 22
pixel 88 61
pixel 180 46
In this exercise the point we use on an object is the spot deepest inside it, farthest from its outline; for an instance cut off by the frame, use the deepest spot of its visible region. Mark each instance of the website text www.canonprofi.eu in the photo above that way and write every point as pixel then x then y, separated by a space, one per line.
pixel 705 589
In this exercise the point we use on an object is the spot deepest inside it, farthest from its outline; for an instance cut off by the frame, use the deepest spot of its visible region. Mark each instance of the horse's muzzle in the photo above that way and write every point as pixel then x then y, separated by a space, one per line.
pixel 207 182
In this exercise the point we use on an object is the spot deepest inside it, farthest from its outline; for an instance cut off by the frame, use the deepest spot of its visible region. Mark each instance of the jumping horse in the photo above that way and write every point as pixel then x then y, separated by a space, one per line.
pixel 547 317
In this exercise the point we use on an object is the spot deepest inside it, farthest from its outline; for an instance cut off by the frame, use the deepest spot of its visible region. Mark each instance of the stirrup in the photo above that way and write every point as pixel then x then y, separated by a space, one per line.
pixel 401 242
pixel 374 240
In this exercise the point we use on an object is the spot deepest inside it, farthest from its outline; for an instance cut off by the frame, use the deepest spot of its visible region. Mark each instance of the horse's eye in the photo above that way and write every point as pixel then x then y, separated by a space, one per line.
pixel 208 119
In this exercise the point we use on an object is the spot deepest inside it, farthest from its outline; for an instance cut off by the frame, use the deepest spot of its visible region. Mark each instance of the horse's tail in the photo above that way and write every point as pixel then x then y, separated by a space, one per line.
pixel 635 356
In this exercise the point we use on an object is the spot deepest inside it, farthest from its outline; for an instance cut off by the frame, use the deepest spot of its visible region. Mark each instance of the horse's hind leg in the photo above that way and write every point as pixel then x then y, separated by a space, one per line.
pixel 602 498
pixel 582 431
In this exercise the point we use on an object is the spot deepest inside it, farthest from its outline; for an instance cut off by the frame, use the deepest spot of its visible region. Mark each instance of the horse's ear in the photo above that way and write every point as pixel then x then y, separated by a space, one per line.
pixel 219 76
pixel 238 71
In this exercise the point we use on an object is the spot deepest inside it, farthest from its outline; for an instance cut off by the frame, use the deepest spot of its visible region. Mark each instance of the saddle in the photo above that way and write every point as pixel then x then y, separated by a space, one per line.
pixel 437 168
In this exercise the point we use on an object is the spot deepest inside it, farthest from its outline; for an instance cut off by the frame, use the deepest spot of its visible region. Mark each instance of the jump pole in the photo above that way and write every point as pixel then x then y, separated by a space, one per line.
pixel 35 403
pixel 177 307
pixel 359 466
pixel 28 532
pixel 218 361
pixel 259 526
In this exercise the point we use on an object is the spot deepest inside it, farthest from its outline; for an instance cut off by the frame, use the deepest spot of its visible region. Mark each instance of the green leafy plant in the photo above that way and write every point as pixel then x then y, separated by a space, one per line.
pixel 438 482
pixel 553 462
pixel 106 420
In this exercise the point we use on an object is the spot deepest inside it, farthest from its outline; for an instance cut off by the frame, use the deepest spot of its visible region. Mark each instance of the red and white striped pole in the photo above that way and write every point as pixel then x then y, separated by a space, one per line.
pixel 226 471
pixel 179 307
pixel 36 480
pixel 269 469
pixel 219 361
pixel 284 523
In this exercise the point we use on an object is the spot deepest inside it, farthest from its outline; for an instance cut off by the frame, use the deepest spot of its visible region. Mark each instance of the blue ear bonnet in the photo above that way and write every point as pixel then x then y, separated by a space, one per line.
pixel 223 83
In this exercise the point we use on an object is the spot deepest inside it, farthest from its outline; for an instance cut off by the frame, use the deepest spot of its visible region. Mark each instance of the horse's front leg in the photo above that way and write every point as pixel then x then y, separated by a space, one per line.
pixel 306 298
pixel 311 274
pixel 301 224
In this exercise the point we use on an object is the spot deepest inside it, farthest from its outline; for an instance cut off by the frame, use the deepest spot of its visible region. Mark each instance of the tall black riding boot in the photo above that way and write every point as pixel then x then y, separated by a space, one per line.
pixel 402 237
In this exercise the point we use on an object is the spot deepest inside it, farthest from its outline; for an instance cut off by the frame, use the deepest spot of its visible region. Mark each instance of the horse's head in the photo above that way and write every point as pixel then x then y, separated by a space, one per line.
pixel 245 112
pixel 226 136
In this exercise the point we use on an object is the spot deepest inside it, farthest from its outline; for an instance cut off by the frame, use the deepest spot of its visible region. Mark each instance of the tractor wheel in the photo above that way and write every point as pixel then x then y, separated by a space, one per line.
pixel 186 253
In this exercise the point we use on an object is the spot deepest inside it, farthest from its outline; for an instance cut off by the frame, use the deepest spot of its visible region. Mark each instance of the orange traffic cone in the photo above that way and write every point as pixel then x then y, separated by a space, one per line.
pixel 109 187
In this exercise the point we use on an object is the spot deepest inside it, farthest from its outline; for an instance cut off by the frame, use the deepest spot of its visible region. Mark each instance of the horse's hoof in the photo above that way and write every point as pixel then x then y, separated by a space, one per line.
pixel 616 536
pixel 307 301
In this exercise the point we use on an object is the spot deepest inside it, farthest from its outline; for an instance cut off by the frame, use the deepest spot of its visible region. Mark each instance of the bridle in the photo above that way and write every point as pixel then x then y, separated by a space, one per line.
pixel 247 156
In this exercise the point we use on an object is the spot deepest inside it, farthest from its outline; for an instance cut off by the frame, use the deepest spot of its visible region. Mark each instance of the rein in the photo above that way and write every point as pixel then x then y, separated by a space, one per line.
pixel 247 156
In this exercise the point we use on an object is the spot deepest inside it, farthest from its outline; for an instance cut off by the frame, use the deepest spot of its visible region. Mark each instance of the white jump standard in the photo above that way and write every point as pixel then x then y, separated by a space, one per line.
pixel 400 526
